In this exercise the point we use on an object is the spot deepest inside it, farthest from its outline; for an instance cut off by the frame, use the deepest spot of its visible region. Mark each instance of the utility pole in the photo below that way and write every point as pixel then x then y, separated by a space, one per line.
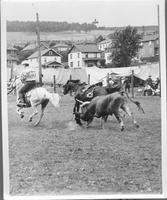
pixel 39 50
pixel 132 83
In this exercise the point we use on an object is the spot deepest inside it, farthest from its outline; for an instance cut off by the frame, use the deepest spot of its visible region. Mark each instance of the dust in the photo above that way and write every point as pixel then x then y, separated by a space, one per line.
pixel 71 126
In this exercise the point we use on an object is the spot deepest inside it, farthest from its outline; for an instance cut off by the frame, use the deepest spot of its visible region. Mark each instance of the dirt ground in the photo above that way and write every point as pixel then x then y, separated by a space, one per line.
pixel 59 157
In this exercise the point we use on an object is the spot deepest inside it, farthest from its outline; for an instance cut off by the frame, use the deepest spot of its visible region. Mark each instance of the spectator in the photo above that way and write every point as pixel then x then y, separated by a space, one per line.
pixel 126 84
pixel 149 81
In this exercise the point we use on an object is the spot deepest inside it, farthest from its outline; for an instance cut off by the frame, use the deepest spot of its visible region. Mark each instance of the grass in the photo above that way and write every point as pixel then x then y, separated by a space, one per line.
pixel 59 157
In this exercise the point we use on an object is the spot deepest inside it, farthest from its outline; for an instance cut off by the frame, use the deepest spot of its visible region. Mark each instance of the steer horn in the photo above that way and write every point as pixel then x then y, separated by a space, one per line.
pixel 79 101
pixel 85 103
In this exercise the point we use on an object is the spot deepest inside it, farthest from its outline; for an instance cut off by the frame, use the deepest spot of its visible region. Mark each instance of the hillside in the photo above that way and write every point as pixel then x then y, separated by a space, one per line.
pixel 52 26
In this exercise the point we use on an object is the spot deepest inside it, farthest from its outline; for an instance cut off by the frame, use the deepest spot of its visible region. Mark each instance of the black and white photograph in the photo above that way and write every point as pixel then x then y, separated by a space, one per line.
pixel 84 99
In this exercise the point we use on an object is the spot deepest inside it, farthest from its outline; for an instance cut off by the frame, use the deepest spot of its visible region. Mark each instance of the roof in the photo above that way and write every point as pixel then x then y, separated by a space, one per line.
pixel 86 48
pixel 105 41
pixel 46 44
pixel 30 47
pixel 93 59
pixel 10 47
pixel 35 55
pixel 11 58
pixel 147 38
pixel 50 63
pixel 60 45
pixel 34 46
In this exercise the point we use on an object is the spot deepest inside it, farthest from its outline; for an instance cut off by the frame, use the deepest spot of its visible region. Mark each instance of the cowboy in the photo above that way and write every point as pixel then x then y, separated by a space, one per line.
pixel 28 79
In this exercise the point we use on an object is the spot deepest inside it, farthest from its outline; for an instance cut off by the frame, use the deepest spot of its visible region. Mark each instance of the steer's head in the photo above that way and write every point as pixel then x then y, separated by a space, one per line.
pixel 83 115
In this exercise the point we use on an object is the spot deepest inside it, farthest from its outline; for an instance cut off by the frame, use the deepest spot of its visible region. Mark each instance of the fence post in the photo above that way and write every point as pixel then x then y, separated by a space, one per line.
pixel 54 83
pixel 11 75
pixel 107 79
pixel 132 83
pixel 120 81
pixel 88 79
pixel 70 90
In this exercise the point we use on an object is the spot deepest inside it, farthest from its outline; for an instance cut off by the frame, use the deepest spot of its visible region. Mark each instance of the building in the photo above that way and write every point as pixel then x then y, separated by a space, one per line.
pixel 11 60
pixel 11 50
pixel 52 64
pixel 61 47
pixel 33 47
pixel 85 55
pixel 149 46
pixel 47 55
pixel 105 44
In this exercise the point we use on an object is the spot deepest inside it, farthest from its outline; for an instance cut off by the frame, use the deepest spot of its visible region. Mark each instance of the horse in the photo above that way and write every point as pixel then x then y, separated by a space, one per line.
pixel 72 86
pixel 86 92
pixel 33 98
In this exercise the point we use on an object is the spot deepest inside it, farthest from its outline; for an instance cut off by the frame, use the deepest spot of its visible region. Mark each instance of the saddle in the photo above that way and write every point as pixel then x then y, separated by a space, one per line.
pixel 26 101
pixel 88 90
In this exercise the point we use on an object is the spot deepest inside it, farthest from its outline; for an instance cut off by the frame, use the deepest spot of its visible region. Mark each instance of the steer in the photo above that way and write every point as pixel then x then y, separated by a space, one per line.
pixel 103 106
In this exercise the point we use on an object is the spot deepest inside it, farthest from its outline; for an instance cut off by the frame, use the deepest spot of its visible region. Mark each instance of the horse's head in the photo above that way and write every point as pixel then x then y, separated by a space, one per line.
pixel 66 88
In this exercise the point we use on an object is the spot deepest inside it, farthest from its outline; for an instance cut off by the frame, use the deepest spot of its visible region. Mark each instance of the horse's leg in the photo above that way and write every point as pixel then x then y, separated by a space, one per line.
pixel 43 106
pixel 76 107
pixel 34 113
pixel 21 113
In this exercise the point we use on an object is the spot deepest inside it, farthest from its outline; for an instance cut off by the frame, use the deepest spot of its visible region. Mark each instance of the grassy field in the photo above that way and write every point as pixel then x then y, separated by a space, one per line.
pixel 58 157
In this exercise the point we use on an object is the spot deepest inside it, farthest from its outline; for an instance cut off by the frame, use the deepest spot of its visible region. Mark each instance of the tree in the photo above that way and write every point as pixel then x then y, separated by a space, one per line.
pixel 125 46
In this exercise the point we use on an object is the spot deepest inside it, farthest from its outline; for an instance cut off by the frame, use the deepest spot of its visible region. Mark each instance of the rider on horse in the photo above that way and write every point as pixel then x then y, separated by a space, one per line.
pixel 28 79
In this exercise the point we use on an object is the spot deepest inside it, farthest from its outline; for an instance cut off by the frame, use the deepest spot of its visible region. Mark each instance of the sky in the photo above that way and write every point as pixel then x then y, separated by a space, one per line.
pixel 108 13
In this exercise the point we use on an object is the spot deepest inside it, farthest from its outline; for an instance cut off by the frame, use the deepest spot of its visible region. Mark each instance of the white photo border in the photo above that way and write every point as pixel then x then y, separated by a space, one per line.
pixel 4 106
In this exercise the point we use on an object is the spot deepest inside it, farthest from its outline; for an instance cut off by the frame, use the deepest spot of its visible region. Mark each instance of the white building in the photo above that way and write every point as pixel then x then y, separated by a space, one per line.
pixel 105 44
pixel 47 55
pixel 85 55
pixel 61 47
pixel 107 56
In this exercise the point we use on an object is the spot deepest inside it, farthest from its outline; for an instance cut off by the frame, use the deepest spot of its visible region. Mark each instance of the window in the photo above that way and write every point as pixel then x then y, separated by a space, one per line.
pixel 78 55
pixel 78 63
pixel 50 53
pixel 71 55
pixel 71 64
pixel 86 55
pixel 156 51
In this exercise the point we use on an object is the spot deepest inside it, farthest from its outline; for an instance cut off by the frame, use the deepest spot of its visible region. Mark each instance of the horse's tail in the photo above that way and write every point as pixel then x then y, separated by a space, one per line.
pixel 135 102
pixel 54 99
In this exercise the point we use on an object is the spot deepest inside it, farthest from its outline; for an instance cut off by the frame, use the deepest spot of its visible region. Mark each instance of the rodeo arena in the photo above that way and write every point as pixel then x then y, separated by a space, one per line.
pixel 85 130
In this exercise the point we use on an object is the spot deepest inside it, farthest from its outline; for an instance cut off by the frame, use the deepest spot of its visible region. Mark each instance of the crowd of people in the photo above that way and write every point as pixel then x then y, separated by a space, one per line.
pixel 151 87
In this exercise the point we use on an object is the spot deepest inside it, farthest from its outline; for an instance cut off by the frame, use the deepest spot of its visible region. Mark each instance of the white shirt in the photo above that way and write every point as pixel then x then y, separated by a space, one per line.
pixel 28 74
